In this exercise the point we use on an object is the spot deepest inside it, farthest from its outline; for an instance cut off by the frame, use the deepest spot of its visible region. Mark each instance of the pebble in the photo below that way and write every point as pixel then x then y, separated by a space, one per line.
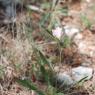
pixel 71 31
pixel 81 72
pixel 64 79
pixel 77 73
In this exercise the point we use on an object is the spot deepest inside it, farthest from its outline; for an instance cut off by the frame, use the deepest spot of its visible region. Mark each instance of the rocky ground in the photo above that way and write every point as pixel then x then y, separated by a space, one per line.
pixel 77 63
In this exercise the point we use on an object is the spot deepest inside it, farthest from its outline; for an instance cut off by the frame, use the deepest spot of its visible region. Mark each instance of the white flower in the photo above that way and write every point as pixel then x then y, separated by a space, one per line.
pixel 88 1
pixel 57 32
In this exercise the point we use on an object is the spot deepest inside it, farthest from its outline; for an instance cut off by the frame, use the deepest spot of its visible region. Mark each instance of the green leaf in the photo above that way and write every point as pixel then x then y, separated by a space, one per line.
pixel 82 80
pixel 28 84
pixel 44 19
pixel 85 21
pixel 66 42
pixel 51 90
pixel 60 93
pixel 44 60
pixel 46 5
pixel 45 74
pixel 64 11
pixel 49 33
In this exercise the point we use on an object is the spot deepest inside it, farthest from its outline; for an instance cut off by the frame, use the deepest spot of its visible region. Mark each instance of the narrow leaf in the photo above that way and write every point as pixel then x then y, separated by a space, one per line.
pixel 28 84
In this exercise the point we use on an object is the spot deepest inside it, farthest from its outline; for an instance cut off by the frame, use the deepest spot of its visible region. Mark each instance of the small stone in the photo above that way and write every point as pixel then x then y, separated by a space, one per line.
pixel 86 63
pixel 71 31
pixel 64 79
pixel 86 48
pixel 56 68
pixel 79 36
pixel 77 73
pixel 81 72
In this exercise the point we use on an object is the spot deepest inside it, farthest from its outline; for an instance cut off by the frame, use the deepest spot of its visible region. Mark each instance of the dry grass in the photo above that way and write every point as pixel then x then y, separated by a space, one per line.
pixel 15 56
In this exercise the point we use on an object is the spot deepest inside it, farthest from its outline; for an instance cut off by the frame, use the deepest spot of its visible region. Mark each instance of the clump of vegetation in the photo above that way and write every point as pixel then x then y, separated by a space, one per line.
pixel 86 21
pixel 40 44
